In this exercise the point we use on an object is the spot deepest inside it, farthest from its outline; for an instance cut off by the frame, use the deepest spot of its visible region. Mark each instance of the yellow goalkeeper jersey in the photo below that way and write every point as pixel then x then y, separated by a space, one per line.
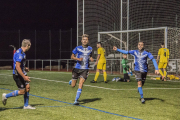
pixel 101 52
pixel 164 55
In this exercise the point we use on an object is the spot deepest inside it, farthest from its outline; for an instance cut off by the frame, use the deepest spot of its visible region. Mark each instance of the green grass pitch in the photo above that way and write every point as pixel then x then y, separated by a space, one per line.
pixel 52 96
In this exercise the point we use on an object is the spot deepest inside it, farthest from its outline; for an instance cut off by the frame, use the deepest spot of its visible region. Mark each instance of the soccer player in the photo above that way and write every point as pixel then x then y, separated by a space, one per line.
pixel 126 70
pixel 141 66
pixel 101 63
pixel 81 70
pixel 163 53
pixel 20 75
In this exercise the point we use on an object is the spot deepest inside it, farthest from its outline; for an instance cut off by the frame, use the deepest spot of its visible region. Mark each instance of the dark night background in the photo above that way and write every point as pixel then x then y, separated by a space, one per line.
pixel 42 16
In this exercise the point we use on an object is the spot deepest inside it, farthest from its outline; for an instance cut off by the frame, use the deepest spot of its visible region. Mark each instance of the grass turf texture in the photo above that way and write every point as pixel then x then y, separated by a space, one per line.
pixel 121 98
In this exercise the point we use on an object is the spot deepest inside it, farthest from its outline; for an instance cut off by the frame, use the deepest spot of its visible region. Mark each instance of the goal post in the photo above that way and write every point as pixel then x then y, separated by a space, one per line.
pixel 152 37
pixel 128 40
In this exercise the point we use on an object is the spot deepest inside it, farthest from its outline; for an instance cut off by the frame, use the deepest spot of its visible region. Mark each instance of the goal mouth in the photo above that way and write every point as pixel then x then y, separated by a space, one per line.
pixel 128 40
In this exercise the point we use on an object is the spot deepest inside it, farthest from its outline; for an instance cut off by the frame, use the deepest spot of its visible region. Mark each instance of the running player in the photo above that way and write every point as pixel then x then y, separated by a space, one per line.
pixel 101 63
pixel 163 53
pixel 20 75
pixel 81 70
pixel 141 66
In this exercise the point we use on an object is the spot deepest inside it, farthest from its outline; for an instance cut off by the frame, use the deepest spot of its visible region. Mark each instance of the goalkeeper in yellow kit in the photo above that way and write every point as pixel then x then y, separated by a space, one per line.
pixel 101 63
pixel 163 53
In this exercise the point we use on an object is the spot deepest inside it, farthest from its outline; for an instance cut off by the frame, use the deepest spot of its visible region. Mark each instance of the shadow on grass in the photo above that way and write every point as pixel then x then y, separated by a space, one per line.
pixel 33 105
pixel 154 99
pixel 148 99
pixel 84 101
pixel 107 81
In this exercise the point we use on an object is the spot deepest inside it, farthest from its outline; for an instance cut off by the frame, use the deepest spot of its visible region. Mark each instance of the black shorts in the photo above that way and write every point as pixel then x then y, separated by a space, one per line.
pixel 80 73
pixel 20 82
pixel 140 76
pixel 126 76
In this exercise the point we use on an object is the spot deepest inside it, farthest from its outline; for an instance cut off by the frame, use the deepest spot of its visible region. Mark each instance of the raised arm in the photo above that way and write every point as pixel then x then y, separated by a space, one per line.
pixel 119 50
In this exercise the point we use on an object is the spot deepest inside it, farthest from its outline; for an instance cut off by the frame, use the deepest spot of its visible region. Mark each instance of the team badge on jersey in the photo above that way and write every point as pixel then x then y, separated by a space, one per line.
pixel 20 57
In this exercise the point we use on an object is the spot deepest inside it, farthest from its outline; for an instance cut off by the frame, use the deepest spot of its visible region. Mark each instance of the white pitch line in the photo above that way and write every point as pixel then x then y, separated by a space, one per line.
pixel 97 86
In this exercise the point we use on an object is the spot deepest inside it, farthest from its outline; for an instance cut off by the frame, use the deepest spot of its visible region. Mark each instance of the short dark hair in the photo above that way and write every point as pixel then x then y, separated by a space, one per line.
pixel 99 43
pixel 141 42
pixel 162 43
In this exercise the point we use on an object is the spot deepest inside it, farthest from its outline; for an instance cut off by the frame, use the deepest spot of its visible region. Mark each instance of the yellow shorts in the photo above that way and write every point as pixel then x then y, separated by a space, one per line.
pixel 101 66
pixel 162 65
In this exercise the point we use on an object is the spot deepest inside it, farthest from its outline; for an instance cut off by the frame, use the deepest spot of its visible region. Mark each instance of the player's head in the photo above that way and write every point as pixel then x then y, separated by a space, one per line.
pixel 85 40
pixel 26 43
pixel 124 56
pixel 99 44
pixel 162 45
pixel 140 45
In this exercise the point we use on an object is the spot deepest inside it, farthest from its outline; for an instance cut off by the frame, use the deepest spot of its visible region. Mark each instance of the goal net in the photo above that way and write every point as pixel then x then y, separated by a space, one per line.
pixel 128 40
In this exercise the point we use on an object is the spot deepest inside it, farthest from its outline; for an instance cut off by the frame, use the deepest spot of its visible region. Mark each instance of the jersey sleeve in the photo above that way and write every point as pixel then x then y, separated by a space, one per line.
pixel 99 51
pixel 75 51
pixel 18 57
pixel 159 52
pixel 131 52
pixel 150 56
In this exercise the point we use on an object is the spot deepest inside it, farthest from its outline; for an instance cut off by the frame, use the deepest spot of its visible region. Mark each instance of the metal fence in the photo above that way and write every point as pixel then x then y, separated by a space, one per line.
pixel 47 44
pixel 112 65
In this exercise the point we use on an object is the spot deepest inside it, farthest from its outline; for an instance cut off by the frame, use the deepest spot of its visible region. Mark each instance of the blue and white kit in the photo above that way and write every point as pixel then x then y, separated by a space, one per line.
pixel 84 53
pixel 140 59
pixel 19 56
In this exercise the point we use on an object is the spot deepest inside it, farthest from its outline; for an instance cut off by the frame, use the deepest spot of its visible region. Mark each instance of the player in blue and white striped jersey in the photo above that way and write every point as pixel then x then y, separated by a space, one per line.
pixel 20 75
pixel 141 65
pixel 82 54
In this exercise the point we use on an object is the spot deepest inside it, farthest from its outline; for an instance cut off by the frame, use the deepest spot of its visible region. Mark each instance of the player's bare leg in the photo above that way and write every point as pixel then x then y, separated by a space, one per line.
pixel 26 98
pixel 81 81
pixel 73 83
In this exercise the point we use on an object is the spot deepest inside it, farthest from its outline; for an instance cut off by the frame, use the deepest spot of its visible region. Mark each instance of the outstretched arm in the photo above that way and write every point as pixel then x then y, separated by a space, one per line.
pixel 156 66
pixel 119 50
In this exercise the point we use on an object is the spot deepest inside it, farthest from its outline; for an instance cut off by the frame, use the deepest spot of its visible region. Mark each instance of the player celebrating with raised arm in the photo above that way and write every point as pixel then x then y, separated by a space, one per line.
pixel 81 70
pixel 141 66
pixel 20 75
pixel 163 62
pixel 101 63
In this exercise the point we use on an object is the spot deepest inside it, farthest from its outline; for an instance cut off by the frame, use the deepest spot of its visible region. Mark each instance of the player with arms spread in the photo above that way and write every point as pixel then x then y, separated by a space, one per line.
pixel 163 53
pixel 141 66
pixel 20 75
pixel 101 63
pixel 81 54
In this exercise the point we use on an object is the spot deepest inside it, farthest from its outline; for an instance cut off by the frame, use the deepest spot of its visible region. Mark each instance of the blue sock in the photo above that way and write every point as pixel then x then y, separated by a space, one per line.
pixel 140 91
pixel 12 94
pixel 26 99
pixel 78 94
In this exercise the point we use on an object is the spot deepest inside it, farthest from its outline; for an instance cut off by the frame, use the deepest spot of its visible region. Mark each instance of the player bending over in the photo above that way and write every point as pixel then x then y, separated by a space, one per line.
pixel 163 53
pixel 101 63
pixel 81 70
pixel 20 75
pixel 141 66
pixel 126 70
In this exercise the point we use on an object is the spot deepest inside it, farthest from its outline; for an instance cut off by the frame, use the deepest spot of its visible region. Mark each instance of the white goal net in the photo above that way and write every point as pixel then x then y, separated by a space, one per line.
pixel 128 40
